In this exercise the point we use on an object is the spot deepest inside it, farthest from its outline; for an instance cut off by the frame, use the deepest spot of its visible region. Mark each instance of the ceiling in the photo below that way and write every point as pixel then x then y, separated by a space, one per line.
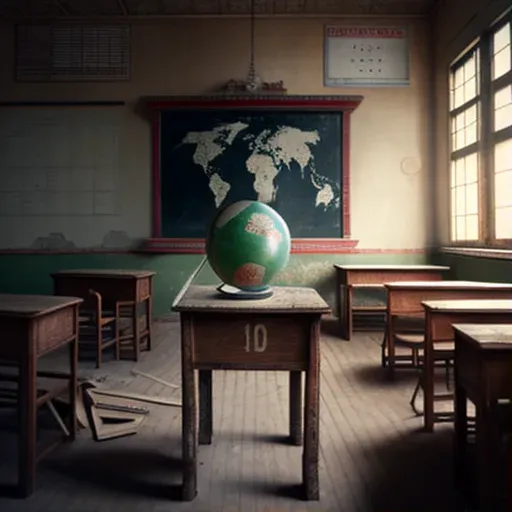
pixel 134 9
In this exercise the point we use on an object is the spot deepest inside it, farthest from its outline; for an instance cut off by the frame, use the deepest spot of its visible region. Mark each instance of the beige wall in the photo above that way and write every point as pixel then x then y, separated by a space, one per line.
pixel 389 129
pixel 457 24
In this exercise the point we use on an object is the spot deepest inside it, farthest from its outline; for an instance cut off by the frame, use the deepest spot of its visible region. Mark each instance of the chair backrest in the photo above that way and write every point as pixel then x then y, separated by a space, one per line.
pixel 92 305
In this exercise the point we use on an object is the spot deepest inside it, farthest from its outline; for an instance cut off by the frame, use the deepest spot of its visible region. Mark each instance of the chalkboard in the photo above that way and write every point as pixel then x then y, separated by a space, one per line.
pixel 289 159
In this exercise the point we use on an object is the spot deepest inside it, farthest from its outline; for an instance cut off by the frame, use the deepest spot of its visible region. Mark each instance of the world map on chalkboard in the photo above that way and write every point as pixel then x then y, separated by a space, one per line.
pixel 289 160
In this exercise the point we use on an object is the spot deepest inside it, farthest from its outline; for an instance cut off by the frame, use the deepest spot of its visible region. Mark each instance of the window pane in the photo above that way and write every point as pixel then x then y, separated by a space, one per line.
pixel 503 97
pixel 501 63
pixel 472 227
pixel 503 108
pixel 460 200
pixel 458 96
pixel 503 189
pixel 472 199
pixel 464 207
pixel 501 52
pixel 470 135
pixel 503 225
pixel 501 38
pixel 460 172
pixel 471 115
pixel 471 167
pixel 464 128
pixel 460 228
pixel 470 89
pixel 458 77
pixel 464 81
pixel 503 156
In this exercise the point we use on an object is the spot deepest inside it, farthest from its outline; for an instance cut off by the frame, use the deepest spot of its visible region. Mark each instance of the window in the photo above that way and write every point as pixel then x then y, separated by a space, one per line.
pixel 481 141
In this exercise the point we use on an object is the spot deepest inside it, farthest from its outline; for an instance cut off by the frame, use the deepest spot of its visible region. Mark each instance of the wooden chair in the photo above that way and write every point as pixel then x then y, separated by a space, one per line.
pixel 412 336
pixel 95 329
pixel 134 326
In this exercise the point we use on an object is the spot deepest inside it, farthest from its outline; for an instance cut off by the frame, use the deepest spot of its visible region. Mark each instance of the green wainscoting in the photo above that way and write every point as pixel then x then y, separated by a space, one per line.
pixel 472 268
pixel 30 273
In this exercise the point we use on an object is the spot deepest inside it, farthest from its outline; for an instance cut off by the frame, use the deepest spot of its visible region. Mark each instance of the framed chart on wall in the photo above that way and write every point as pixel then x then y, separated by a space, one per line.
pixel 290 152
pixel 360 56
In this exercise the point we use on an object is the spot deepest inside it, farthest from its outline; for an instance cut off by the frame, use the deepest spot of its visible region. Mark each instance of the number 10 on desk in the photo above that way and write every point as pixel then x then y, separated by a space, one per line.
pixel 255 338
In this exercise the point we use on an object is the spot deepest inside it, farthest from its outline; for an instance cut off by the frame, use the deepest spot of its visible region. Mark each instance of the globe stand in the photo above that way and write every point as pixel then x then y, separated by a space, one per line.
pixel 232 292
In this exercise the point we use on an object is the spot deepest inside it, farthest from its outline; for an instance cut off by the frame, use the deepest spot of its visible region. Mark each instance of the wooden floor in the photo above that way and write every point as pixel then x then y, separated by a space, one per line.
pixel 373 455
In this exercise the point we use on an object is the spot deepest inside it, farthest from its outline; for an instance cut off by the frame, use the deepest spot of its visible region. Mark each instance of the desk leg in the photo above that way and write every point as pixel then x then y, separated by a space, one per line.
pixel 346 319
pixel 390 340
pixel 295 404
pixel 149 312
pixel 428 377
pixel 189 410
pixel 136 331
pixel 461 432
pixel 311 417
pixel 27 425
pixel 205 407
pixel 73 382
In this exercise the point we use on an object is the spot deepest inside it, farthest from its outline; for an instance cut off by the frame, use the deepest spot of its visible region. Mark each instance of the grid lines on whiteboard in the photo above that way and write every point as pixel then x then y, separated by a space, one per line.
pixel 72 52
pixel 58 163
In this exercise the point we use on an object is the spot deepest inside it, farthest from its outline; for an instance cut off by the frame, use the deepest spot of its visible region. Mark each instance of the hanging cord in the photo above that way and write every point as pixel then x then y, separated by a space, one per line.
pixel 252 78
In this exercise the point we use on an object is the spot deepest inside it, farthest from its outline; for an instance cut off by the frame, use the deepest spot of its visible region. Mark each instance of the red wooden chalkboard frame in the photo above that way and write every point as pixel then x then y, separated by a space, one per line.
pixel 343 104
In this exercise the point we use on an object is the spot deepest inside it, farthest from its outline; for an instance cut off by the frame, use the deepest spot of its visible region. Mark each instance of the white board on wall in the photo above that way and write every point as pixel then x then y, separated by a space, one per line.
pixel 366 56
pixel 58 175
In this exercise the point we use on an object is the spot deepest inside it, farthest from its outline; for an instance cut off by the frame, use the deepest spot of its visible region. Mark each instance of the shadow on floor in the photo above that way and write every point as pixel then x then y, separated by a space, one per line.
pixel 413 473
pixel 369 375
pixel 128 470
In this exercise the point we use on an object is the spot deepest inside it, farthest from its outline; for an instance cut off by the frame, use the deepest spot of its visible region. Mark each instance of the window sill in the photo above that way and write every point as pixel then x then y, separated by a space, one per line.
pixel 479 252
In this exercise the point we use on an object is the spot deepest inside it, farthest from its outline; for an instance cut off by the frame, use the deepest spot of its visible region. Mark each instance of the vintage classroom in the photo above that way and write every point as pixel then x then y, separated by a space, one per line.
pixel 425 194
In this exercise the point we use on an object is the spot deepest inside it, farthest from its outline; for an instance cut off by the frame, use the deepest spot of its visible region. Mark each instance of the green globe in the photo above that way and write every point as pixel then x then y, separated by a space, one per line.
pixel 248 243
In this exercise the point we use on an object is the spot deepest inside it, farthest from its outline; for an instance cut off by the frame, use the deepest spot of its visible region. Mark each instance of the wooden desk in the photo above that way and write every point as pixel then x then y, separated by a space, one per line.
pixel 30 326
pixel 439 317
pixel 350 276
pixel 406 299
pixel 278 333
pixel 483 362
pixel 132 289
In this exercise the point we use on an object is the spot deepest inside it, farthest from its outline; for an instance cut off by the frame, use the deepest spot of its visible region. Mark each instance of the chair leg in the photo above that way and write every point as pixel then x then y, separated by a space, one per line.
pixel 98 353
pixel 99 345
pixel 415 357
pixel 414 396
pixel 383 350
pixel 118 342
pixel 447 365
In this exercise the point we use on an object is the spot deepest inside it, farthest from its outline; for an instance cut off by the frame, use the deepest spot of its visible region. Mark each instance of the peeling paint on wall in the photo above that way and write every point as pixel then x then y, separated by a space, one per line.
pixel 116 239
pixel 52 241
pixel 321 276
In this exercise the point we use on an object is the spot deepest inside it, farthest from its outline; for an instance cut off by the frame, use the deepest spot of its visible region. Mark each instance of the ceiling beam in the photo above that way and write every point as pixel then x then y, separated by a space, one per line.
pixel 145 18
pixel 122 6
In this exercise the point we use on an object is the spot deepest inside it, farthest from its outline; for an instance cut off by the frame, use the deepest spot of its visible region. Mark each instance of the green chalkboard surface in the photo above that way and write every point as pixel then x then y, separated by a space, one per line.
pixel 291 160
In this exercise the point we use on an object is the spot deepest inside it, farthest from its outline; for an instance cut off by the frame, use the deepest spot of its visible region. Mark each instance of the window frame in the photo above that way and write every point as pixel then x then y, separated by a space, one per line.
pixel 487 137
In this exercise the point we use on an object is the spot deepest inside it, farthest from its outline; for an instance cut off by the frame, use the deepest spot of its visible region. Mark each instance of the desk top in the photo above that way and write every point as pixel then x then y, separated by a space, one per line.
pixel 286 299
pixel 487 336
pixel 113 273
pixel 20 305
pixel 400 268
pixel 470 306
pixel 448 285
